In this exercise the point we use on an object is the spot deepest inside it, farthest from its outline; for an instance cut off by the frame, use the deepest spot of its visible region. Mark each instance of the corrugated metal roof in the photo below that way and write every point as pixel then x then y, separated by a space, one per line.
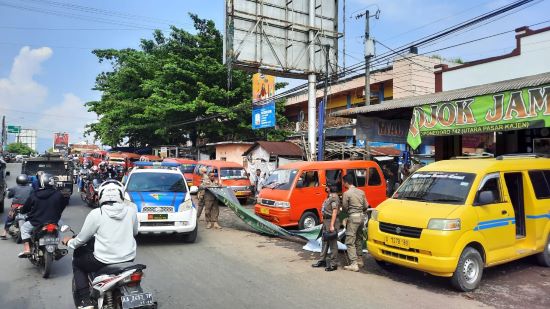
pixel 278 148
pixel 451 95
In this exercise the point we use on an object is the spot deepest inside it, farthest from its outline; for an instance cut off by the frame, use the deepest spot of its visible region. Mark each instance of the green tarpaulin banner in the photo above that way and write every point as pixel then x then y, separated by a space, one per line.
pixel 509 110
pixel 227 196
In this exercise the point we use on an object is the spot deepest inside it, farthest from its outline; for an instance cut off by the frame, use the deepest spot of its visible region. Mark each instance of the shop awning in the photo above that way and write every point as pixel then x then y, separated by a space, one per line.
pixel 392 107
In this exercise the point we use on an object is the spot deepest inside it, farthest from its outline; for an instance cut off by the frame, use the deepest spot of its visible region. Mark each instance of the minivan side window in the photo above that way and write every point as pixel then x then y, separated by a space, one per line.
pixel 308 179
pixel 491 182
pixel 541 183
pixel 334 177
pixel 374 177
pixel 359 177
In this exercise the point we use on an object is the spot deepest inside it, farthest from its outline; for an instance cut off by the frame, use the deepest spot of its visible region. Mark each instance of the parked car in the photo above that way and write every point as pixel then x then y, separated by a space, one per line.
pixel 294 193
pixel 230 174
pixel 453 218
pixel 3 186
pixel 187 167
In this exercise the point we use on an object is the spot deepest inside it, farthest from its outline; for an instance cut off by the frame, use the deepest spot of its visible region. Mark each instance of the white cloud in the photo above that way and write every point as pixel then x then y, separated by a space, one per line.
pixel 20 90
pixel 73 117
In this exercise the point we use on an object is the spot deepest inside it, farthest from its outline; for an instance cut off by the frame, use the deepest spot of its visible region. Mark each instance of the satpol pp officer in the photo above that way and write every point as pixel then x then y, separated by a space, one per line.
pixel 330 209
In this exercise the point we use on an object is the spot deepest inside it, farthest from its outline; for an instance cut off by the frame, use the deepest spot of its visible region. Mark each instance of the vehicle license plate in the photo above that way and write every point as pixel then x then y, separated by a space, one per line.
pixel 157 216
pixel 264 211
pixel 240 193
pixel 48 241
pixel 397 242
pixel 137 300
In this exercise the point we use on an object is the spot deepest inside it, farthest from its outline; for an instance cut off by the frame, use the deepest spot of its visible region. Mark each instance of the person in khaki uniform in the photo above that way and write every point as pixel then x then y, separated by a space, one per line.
pixel 200 194
pixel 355 204
pixel 330 209
pixel 211 207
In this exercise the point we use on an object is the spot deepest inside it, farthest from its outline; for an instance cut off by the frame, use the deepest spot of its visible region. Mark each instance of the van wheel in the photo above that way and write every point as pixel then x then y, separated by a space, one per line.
pixel 544 257
pixel 469 270
pixel 308 220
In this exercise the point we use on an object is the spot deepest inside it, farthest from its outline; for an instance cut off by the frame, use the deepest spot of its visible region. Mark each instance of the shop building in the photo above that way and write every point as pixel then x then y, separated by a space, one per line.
pixel 498 105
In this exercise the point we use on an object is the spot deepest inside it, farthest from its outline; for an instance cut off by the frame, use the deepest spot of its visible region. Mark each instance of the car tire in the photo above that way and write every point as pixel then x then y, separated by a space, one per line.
pixel 469 270
pixel 308 220
pixel 243 200
pixel 190 238
pixel 544 257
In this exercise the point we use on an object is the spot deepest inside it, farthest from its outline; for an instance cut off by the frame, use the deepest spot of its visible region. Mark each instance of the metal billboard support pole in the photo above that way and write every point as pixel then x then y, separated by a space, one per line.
pixel 367 60
pixel 312 79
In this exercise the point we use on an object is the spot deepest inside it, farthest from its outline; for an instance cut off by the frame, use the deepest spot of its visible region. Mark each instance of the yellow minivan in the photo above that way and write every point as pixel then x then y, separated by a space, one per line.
pixel 453 218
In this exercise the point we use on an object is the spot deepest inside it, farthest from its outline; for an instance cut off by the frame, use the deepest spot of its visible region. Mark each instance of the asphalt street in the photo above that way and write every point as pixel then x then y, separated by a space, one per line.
pixel 237 268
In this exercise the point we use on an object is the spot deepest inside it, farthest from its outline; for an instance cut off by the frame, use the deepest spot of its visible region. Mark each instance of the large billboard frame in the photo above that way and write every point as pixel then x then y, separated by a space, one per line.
pixel 274 37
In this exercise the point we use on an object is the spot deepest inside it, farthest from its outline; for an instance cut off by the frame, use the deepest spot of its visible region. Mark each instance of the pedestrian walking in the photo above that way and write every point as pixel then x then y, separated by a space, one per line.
pixel 200 194
pixel 355 204
pixel 258 182
pixel 211 207
pixel 330 209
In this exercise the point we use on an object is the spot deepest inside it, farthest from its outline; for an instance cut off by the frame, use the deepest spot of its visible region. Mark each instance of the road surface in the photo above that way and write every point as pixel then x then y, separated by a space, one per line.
pixel 236 268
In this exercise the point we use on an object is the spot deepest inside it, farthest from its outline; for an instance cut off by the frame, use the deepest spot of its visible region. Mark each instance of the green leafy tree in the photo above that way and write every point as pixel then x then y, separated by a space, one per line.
pixel 174 89
pixel 19 148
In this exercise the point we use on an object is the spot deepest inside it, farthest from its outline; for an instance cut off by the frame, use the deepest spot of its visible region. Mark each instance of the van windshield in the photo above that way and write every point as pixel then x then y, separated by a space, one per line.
pixel 281 179
pixel 233 173
pixel 436 187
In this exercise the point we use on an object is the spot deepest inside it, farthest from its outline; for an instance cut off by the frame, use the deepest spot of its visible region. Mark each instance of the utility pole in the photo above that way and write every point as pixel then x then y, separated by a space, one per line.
pixel 369 51
pixel 312 80
pixel 323 107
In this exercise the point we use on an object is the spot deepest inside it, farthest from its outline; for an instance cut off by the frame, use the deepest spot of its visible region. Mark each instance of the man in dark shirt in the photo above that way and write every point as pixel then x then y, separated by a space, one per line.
pixel 43 206
pixel 19 195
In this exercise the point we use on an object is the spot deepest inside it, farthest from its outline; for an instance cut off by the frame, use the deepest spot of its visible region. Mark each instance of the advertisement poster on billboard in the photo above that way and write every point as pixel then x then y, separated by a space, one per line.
pixel 263 109
pixel 60 141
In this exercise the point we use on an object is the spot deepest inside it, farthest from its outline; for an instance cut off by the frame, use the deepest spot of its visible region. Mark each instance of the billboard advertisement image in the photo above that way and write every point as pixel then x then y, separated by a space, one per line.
pixel 263 109
pixel 60 141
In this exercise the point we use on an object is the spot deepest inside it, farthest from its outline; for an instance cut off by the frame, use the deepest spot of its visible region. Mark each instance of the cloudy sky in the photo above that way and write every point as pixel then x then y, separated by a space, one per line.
pixel 47 70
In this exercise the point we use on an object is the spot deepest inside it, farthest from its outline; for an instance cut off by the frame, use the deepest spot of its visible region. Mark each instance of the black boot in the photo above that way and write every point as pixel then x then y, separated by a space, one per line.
pixel 331 267
pixel 319 264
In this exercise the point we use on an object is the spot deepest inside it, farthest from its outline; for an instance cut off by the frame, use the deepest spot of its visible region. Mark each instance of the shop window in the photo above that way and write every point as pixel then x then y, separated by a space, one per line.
pixel 359 177
pixel 541 183
pixel 374 177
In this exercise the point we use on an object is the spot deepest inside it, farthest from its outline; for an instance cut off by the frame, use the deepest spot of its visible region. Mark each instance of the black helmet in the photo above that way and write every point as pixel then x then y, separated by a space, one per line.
pixel 46 181
pixel 22 180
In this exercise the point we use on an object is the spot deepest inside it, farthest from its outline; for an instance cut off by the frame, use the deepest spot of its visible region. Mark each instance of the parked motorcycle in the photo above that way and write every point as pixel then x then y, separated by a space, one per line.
pixel 15 228
pixel 115 285
pixel 45 247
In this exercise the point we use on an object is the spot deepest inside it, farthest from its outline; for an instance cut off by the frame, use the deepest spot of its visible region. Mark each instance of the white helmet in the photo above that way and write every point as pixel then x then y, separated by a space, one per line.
pixel 111 191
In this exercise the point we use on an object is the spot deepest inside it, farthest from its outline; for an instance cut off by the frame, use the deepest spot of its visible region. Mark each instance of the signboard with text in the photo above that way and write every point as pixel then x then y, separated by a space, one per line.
pixel 511 110
pixel 14 129
pixel 60 141
pixel 263 109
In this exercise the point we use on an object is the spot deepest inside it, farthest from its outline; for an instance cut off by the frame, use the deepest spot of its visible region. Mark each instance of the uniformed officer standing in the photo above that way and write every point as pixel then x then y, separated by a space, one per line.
pixel 330 209
pixel 200 194
pixel 355 204
pixel 211 207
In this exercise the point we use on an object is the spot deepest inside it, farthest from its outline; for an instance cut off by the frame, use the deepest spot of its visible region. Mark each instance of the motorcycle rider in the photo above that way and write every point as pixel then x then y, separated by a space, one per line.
pixel 114 225
pixel 43 206
pixel 19 195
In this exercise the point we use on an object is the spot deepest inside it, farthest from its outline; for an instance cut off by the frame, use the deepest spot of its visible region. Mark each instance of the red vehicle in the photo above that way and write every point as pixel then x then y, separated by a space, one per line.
pixel 187 166
pixel 98 156
pixel 125 159
pixel 230 174
pixel 150 158
pixel 85 156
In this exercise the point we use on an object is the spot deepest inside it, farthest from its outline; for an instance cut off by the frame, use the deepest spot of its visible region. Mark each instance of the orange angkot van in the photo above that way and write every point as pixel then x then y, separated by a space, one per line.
pixel 294 193
pixel 230 174
pixel 187 167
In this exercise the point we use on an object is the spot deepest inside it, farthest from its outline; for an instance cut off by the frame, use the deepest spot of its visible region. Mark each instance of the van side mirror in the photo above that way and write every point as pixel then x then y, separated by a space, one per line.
pixel 485 197
pixel 300 183
pixel 193 190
